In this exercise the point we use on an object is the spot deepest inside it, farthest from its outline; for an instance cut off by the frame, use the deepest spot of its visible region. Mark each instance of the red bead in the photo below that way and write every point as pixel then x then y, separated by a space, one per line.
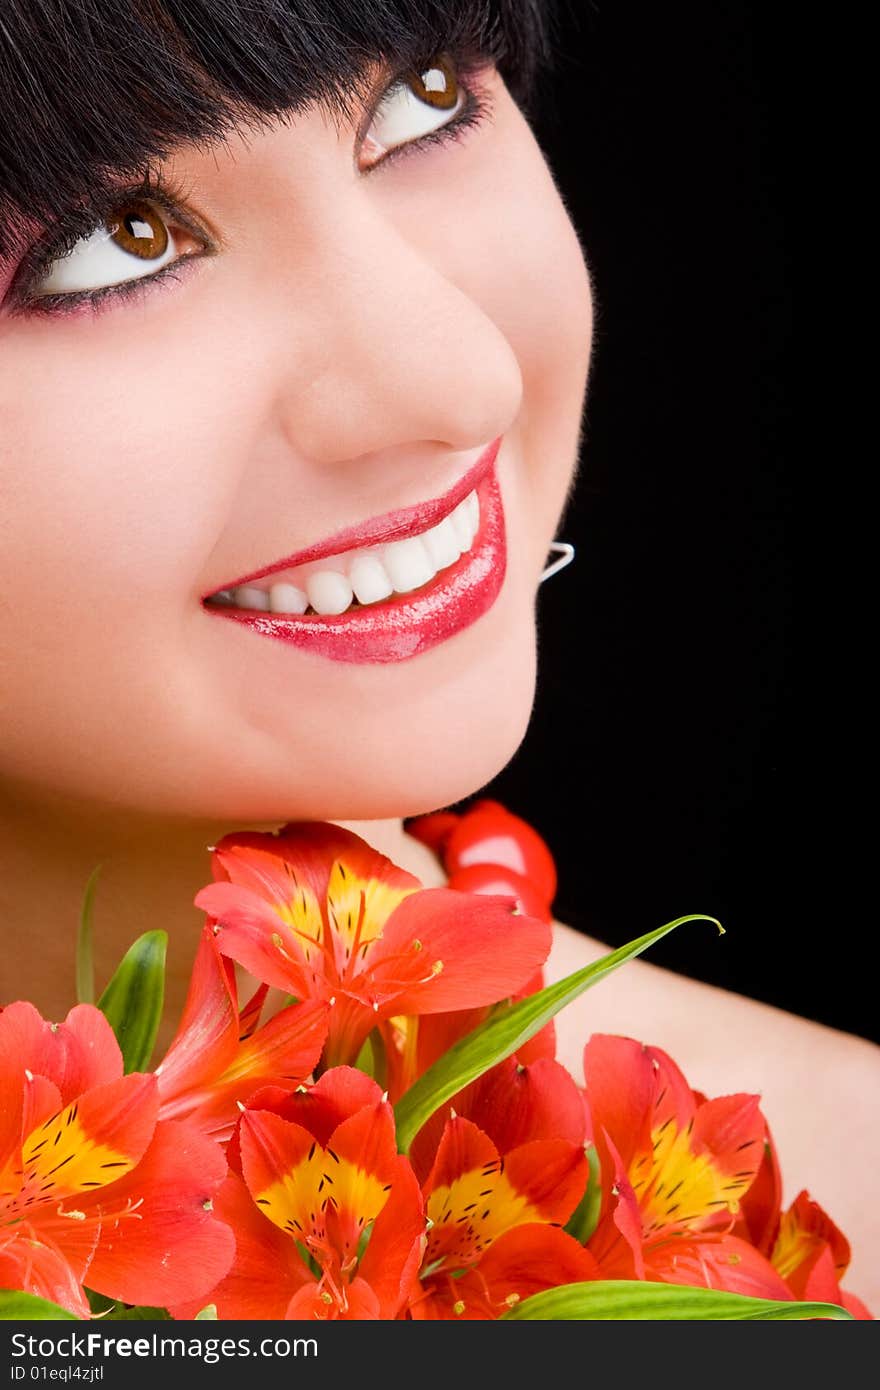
pixel 490 834
pixel 495 878
pixel 433 830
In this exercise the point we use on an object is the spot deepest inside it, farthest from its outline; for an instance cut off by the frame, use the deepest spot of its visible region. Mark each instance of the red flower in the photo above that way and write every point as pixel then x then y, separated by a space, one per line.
pixel 494 1236
pixel 328 1218
pixel 92 1189
pixel 219 1057
pixel 502 1176
pixel 812 1256
pixel 675 1169
pixel 512 1104
pixel 315 911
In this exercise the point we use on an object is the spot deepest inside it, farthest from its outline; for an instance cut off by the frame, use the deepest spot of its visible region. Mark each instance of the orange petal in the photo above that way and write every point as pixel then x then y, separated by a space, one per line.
pixel 207 1038
pixel 38 1268
pixel 367 1154
pixel 516 1104
pixel 329 1194
pixel 312 875
pixel 283 1052
pixel 320 1108
pixel 63 1060
pixel 529 1259
pixel 84 1052
pixel 286 1049
pixel 526 1260
pixel 549 1174
pixel 512 1104
pixel 267 1269
pixel 617 1240
pixel 694 1178
pixel 161 1241
pixel 359 903
pixel 92 1142
pixel 390 1264
pixel 620 1091
pixel 283 1166
pixel 716 1262
pixel 732 1129
pixel 805 1232
pixel 758 1220
pixel 251 932
pixel 474 1196
pixel 444 950
pixel 357 1302
pixel 463 1148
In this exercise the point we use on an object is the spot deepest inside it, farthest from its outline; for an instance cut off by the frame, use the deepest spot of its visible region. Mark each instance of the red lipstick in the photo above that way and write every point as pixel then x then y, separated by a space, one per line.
pixel 404 625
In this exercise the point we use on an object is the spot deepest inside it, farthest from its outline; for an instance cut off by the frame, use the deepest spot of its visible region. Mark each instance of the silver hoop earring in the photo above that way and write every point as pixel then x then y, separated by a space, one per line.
pixel 565 551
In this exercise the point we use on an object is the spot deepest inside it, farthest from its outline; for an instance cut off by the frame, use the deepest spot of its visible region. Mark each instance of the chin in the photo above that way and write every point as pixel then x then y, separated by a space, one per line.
pixel 458 724
pixel 443 761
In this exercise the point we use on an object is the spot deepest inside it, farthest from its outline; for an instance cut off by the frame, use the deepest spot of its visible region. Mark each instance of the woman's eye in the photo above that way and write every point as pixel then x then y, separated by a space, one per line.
pixel 135 241
pixel 412 107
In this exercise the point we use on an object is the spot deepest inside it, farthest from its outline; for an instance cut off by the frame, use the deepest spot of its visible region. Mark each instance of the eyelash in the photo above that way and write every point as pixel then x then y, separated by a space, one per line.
pixel 156 188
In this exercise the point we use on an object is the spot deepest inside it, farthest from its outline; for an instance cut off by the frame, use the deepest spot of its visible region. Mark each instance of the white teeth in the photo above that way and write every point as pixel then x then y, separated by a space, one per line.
pixel 369 579
pixel 464 529
pixel 329 593
pixel 249 597
pixel 442 544
pixel 408 564
pixel 372 575
pixel 287 598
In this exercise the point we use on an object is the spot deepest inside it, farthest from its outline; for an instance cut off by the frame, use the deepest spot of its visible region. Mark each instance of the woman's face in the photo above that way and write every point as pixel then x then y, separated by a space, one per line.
pixel 364 330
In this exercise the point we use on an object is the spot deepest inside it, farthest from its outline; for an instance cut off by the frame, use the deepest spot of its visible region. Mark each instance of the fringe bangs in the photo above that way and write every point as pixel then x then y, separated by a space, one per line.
pixel 95 90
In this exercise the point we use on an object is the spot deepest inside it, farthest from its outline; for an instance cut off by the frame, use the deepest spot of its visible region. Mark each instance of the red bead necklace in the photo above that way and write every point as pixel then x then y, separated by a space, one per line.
pixel 487 849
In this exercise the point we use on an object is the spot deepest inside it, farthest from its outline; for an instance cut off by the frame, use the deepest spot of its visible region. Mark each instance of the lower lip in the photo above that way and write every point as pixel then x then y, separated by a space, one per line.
pixel 409 624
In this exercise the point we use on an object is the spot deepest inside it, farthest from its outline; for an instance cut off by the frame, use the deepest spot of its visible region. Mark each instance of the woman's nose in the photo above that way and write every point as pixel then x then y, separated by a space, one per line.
pixel 390 351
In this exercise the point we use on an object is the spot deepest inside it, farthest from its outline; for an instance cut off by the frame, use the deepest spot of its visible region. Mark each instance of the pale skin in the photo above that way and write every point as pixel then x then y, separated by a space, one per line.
pixel 283 388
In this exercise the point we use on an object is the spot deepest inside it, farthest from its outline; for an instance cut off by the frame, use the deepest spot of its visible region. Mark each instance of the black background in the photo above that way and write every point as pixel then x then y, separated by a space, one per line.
pixel 658 764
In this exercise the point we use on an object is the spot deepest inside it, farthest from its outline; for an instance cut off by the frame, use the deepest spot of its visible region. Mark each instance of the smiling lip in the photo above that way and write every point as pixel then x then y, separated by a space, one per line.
pixel 391 526
pixel 406 624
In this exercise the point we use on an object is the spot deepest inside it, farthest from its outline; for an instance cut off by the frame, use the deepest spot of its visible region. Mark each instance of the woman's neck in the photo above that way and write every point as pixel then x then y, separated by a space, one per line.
pixel 149 875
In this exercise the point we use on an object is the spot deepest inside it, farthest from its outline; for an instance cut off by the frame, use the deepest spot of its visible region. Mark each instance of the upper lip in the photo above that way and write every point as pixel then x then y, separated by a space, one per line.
pixel 390 526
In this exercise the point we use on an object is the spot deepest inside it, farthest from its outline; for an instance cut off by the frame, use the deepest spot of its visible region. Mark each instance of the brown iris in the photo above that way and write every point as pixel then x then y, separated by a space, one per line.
pixel 138 229
pixel 436 85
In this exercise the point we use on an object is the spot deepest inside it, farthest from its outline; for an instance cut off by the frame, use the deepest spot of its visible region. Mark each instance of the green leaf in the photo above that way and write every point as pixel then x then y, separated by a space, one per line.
pixel 111 1310
pixel 27 1307
pixel 372 1060
pixel 506 1031
pixel 364 1060
pixel 85 962
pixel 616 1299
pixel 585 1217
pixel 122 1313
pixel 99 1303
pixel 132 1002
pixel 207 1314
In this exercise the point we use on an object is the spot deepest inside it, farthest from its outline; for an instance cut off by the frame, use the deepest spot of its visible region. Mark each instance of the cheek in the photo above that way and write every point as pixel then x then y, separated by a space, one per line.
pixel 114 475
pixel 113 496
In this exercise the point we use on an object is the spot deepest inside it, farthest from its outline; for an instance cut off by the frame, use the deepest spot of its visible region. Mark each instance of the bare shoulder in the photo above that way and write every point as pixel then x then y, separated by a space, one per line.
pixel 820 1088
pixel 714 1032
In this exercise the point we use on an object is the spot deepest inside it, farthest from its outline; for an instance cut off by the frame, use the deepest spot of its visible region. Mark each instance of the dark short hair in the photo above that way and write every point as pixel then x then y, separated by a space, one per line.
pixel 91 90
